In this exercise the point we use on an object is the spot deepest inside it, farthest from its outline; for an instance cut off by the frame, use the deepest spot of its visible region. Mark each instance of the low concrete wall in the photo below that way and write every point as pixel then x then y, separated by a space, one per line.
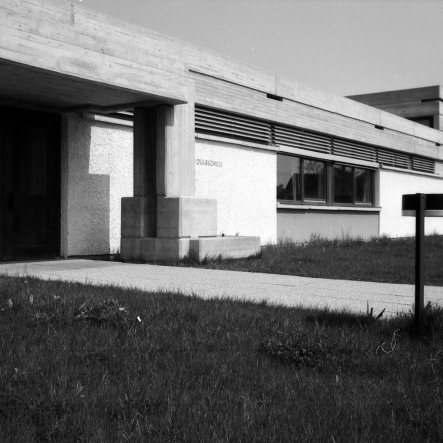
pixel 243 180
pixel 300 225
pixel 393 184
pixel 96 173
pixel 226 247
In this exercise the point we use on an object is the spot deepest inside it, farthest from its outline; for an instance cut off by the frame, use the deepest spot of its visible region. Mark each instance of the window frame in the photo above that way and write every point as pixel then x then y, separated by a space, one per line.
pixel 329 184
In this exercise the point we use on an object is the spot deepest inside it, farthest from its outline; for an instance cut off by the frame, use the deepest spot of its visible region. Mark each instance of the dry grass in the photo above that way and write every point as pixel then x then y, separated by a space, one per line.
pixel 380 259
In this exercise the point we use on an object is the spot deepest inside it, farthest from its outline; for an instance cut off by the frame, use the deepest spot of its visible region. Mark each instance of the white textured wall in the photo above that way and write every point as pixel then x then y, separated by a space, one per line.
pixel 393 185
pixel 96 173
pixel 244 187
pixel 301 225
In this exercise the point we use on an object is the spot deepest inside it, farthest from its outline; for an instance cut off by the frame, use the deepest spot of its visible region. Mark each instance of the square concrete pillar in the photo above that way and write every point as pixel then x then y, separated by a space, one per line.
pixel 186 217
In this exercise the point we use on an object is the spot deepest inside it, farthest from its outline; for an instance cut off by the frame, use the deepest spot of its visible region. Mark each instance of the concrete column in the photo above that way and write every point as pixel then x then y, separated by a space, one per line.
pixel 175 150
pixel 145 137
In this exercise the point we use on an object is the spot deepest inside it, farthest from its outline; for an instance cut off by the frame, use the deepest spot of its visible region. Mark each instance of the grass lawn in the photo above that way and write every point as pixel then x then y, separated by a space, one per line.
pixel 99 364
pixel 380 260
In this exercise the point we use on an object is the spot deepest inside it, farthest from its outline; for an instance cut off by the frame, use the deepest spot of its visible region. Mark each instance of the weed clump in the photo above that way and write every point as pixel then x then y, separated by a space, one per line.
pixel 107 312
pixel 316 355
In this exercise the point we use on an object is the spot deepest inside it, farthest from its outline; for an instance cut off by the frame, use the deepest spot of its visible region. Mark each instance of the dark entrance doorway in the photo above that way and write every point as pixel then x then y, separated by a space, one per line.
pixel 29 184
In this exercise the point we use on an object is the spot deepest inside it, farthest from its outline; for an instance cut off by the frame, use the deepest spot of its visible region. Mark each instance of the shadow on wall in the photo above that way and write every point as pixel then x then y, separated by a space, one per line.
pixel 85 195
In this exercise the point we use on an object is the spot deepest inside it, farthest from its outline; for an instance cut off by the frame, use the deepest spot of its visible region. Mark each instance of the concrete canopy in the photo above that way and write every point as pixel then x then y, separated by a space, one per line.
pixel 20 83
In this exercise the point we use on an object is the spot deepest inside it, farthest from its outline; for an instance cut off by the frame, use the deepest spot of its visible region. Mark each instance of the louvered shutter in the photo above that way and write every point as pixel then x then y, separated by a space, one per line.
pixel 423 164
pixel 231 125
pixel 302 139
pixel 352 149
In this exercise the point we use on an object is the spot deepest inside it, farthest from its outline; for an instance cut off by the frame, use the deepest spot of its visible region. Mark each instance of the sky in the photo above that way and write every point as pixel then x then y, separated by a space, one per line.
pixel 339 46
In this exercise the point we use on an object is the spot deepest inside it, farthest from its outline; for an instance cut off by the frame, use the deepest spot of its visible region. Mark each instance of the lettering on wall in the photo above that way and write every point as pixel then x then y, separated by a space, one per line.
pixel 204 162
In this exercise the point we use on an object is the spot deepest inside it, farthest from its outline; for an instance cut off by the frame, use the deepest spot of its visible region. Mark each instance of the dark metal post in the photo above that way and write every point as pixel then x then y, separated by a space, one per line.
pixel 419 258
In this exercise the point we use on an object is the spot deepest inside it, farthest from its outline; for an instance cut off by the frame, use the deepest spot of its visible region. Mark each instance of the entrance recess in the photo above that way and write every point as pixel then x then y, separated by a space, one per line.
pixel 29 184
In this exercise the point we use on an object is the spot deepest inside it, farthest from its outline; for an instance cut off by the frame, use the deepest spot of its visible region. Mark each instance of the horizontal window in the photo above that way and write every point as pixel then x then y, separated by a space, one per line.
pixel 307 181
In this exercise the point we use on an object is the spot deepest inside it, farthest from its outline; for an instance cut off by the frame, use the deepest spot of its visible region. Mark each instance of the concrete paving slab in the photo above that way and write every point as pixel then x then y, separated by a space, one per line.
pixel 207 283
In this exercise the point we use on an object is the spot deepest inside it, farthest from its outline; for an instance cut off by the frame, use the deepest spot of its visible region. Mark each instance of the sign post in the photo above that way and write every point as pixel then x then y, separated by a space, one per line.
pixel 421 206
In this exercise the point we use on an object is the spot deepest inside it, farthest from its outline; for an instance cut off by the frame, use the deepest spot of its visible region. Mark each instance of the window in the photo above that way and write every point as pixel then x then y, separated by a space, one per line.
pixel 300 179
pixel 343 184
pixel 364 185
pixel 352 185
pixel 314 180
pixel 307 181
pixel 288 176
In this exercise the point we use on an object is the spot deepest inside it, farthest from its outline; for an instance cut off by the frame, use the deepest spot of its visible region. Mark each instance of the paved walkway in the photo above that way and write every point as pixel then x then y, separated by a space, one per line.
pixel 208 283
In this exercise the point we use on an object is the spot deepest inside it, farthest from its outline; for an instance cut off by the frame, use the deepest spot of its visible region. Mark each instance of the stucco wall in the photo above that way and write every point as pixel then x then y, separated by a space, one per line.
pixel 393 185
pixel 243 181
pixel 96 173
pixel 300 225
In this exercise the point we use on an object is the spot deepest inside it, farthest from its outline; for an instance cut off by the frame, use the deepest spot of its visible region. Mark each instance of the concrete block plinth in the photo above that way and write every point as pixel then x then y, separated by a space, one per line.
pixel 186 217
pixel 131 248
pixel 139 216
pixel 164 248
pixel 226 247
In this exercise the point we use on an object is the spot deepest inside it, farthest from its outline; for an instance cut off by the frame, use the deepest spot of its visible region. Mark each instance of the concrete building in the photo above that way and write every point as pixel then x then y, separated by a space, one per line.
pixel 114 137
pixel 421 105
